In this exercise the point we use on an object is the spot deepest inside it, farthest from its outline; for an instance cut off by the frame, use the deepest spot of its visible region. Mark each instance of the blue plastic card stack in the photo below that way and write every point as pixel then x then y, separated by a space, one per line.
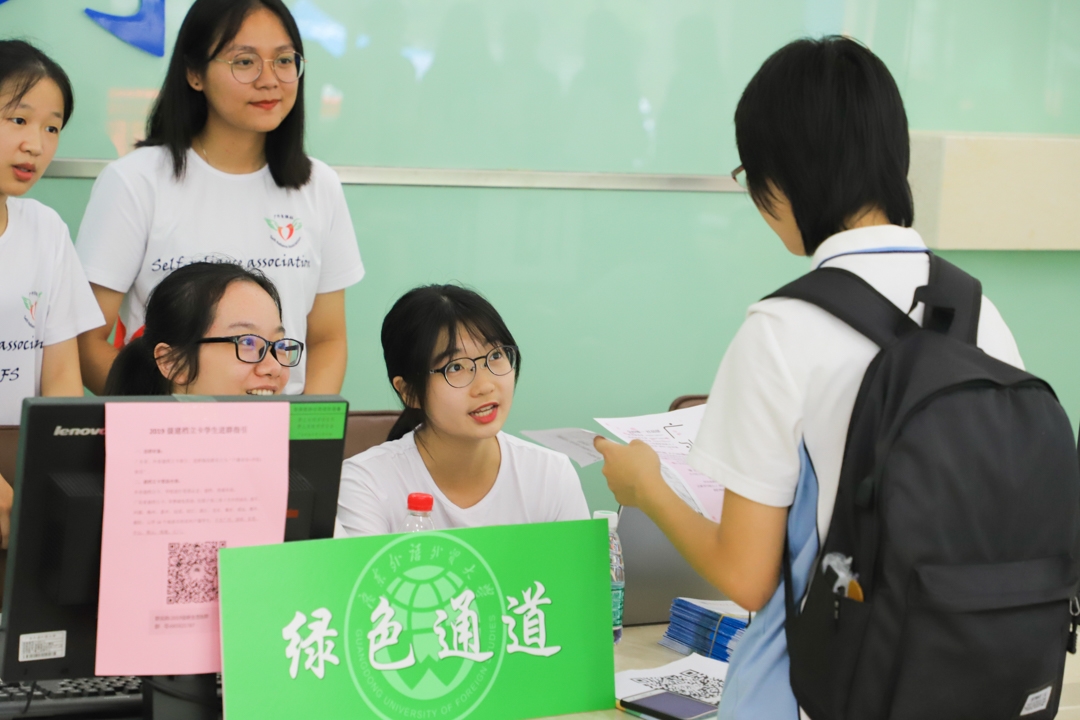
pixel 707 627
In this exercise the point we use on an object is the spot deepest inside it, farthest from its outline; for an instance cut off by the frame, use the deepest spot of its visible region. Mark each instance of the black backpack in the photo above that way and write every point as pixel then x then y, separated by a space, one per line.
pixel 959 504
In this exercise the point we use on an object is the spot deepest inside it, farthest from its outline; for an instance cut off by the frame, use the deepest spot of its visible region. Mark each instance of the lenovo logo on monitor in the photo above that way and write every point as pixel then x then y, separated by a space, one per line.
pixel 60 430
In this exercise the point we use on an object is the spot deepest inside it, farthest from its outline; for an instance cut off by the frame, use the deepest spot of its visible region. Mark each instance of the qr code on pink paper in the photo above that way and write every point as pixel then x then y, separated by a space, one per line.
pixel 193 572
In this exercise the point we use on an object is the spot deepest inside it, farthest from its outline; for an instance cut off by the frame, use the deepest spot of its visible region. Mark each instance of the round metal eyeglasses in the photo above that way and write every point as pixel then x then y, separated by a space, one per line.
pixel 252 348
pixel 460 372
pixel 248 66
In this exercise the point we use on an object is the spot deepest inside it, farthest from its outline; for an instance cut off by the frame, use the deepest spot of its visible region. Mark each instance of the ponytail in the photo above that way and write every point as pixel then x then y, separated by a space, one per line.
pixel 409 420
pixel 135 372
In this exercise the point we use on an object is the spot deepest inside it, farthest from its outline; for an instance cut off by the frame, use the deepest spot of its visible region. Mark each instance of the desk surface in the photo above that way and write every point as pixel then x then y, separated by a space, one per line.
pixel 639 649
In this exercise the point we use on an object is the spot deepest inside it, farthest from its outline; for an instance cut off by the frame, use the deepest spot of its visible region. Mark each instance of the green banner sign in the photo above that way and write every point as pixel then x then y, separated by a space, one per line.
pixel 497 622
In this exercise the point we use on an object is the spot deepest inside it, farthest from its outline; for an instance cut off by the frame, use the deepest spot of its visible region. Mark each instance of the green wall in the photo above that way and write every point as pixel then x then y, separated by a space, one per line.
pixel 620 301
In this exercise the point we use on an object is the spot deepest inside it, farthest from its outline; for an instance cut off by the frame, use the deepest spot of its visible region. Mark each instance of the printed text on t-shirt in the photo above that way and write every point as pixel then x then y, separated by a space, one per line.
pixel 285 261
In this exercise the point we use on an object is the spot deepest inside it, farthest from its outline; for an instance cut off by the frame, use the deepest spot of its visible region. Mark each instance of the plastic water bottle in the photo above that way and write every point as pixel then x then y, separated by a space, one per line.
pixel 618 576
pixel 419 517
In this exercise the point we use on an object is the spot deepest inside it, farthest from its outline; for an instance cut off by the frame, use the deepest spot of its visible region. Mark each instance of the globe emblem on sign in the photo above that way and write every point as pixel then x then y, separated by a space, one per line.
pixel 424 629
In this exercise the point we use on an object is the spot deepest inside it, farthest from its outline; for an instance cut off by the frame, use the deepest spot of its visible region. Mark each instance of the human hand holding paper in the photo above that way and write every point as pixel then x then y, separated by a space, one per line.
pixel 632 471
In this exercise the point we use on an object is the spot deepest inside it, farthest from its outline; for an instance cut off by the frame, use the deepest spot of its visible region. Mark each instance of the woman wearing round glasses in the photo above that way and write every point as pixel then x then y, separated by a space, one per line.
pixel 211 329
pixel 454 365
pixel 223 172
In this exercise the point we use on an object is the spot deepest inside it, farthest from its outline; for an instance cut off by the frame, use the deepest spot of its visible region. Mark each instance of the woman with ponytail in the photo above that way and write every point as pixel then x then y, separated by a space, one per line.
pixel 454 365
pixel 211 329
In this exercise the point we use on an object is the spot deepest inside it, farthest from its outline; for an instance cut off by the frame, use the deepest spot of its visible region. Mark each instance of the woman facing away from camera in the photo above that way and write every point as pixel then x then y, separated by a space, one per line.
pixel 823 139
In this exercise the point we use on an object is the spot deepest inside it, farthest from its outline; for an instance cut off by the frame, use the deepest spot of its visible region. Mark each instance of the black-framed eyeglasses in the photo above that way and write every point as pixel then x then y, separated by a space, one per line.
pixel 739 176
pixel 247 67
pixel 252 348
pixel 460 372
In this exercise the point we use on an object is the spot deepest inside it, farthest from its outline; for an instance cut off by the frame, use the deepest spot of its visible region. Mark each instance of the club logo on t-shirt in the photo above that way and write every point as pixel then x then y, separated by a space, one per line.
pixel 31 302
pixel 286 230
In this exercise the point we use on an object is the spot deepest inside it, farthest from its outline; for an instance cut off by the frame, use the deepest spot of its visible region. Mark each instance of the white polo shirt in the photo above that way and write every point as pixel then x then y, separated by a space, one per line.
pixel 776 424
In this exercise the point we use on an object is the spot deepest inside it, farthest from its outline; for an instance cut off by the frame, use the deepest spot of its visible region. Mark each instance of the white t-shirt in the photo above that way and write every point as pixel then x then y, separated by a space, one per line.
pixel 141 224
pixel 45 297
pixel 534 485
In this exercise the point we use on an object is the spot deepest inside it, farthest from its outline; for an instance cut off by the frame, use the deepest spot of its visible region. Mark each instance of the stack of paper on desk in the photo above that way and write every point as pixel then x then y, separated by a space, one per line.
pixel 670 434
pixel 709 627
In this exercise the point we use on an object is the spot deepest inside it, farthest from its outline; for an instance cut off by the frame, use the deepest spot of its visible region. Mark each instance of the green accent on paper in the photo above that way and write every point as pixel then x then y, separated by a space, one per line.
pixel 491 623
pixel 317 421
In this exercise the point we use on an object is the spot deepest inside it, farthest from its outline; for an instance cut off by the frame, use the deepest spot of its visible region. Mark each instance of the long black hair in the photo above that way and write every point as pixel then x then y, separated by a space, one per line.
pixel 179 312
pixel 180 111
pixel 823 121
pixel 413 328
pixel 24 65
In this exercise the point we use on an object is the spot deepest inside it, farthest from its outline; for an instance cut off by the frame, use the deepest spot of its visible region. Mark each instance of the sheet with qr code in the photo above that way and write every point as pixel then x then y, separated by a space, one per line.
pixel 193 572
pixel 182 481
pixel 689 683
pixel 694 676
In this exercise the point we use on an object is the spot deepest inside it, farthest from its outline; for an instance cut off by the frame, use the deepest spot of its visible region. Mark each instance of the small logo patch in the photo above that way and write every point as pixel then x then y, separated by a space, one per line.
pixel 30 302
pixel 286 230
pixel 1037 701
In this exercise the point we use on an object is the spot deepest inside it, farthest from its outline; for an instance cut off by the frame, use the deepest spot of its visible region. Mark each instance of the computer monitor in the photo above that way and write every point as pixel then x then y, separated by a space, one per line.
pixel 54 551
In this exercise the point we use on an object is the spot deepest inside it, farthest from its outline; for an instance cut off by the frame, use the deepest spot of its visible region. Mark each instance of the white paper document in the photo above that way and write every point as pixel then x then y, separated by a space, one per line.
pixel 575 443
pixel 671 435
pixel 693 676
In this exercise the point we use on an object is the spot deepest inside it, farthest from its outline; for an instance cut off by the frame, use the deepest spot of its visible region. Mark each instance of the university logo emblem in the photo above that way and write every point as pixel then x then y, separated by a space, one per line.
pixel 424 630
pixel 286 230
pixel 31 304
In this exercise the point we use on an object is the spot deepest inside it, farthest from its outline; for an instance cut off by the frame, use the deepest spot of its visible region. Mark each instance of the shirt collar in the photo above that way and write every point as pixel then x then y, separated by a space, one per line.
pixel 873 239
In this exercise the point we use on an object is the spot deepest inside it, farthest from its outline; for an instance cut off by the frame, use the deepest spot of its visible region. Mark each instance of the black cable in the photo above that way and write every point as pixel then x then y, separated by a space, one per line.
pixel 29 697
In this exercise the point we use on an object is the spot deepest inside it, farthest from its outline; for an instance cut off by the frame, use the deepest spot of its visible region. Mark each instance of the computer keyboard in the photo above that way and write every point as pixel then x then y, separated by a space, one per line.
pixel 114 695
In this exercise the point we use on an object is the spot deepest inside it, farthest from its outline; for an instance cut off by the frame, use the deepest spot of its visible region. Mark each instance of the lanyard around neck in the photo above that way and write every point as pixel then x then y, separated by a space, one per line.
pixel 876 251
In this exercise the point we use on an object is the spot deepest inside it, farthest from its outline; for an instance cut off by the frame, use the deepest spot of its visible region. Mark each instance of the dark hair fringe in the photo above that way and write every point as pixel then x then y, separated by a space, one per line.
pixel 824 123
pixel 411 331
pixel 180 112
pixel 26 66
pixel 178 313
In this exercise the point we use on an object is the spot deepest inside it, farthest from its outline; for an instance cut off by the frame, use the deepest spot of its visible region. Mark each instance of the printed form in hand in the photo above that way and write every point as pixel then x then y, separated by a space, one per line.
pixel 670 434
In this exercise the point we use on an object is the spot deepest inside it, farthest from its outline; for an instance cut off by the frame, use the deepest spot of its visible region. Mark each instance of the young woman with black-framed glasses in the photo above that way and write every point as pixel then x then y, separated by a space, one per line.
pixel 211 329
pixel 454 364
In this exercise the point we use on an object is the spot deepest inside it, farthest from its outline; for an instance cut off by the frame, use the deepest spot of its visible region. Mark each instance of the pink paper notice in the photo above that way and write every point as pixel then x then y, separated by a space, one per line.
pixel 181 481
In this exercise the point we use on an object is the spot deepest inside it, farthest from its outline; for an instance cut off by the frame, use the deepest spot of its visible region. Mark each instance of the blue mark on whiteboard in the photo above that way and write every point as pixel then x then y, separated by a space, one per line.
pixel 144 30
pixel 420 58
pixel 362 41
pixel 316 25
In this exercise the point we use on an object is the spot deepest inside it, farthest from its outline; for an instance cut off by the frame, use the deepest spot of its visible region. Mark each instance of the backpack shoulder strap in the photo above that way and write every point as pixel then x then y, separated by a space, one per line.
pixel 853 300
pixel 953 300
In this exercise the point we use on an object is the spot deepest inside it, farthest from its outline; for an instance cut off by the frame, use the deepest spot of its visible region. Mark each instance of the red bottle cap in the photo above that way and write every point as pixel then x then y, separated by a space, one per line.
pixel 420 502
